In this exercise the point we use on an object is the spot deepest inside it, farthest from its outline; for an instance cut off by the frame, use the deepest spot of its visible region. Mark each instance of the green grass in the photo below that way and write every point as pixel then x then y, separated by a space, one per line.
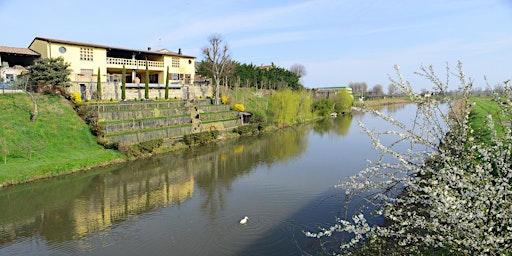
pixel 477 118
pixel 58 142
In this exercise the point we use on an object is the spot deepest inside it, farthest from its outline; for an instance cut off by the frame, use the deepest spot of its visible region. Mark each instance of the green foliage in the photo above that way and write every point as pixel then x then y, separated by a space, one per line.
pixel 200 137
pixel 343 101
pixel 123 84
pixel 167 83
pixel 51 75
pixel 288 107
pixel 146 82
pixel 251 76
pixel 149 146
pixel 98 85
pixel 322 107
pixel 249 129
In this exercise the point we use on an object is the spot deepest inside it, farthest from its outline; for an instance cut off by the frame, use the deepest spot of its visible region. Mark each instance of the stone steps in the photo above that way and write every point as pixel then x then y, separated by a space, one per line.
pixel 135 122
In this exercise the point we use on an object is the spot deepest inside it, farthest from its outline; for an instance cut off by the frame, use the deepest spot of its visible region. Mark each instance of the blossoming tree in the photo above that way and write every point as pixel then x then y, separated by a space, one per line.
pixel 455 189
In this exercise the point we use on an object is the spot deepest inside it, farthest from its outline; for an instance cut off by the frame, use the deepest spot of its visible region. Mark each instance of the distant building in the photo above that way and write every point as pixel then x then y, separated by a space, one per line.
pixel 329 92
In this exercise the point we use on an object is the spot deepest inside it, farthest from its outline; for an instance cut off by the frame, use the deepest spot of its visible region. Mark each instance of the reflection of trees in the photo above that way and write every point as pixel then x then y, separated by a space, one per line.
pixel 342 124
pixel 220 167
pixel 323 126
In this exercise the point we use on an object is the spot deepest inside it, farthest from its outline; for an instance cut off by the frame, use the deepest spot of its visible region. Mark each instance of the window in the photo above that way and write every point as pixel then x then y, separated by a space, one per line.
pixel 86 54
pixel 175 63
pixel 62 49
pixel 153 78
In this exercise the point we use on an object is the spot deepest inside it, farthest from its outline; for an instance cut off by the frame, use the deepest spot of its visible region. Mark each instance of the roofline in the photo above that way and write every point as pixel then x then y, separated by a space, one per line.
pixel 53 40
pixel 34 53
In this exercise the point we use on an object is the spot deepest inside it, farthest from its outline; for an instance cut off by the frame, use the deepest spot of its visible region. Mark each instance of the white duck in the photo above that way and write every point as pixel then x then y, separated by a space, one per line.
pixel 244 220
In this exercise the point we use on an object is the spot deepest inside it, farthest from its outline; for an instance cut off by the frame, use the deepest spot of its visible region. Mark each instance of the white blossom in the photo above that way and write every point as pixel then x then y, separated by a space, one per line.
pixel 457 190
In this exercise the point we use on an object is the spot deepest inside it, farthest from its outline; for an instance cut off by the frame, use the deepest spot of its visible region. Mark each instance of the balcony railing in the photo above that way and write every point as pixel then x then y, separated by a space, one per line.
pixel 132 62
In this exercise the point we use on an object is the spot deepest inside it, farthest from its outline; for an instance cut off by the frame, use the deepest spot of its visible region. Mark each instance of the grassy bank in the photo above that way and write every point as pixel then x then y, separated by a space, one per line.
pixel 484 106
pixel 58 142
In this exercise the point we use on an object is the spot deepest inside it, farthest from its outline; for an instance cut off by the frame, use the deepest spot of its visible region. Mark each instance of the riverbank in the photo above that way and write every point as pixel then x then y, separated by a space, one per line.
pixel 60 143
pixel 57 143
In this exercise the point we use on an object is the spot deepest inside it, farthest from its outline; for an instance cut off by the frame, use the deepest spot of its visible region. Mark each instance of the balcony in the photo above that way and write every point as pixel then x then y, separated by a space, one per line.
pixel 134 64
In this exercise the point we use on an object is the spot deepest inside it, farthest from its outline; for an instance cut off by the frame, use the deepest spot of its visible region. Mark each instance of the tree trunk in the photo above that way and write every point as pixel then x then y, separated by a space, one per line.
pixel 217 94
pixel 34 114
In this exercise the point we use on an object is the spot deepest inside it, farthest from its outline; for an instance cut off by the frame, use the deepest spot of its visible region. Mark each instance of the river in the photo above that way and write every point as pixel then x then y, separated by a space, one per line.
pixel 190 202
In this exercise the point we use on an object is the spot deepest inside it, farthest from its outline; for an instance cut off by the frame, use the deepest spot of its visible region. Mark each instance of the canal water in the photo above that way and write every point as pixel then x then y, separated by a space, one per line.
pixel 191 202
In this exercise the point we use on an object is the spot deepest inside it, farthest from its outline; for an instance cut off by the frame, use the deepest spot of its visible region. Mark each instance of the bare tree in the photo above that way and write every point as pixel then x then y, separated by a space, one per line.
pixel 377 90
pixel 298 69
pixel 218 60
pixel 392 89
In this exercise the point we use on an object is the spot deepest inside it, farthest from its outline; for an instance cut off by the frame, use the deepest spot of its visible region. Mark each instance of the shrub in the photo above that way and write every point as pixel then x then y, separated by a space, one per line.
pixel 97 129
pixel 149 146
pixel 250 128
pixel 239 107
pixel 322 107
pixel 76 98
pixel 200 137
pixel 106 144
pixel 224 99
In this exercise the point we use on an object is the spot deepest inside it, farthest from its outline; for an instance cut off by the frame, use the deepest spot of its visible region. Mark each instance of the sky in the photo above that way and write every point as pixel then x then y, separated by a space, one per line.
pixel 337 41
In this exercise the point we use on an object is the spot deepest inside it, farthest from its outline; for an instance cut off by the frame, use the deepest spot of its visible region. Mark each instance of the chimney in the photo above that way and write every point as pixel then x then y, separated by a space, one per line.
pixel 149 49
pixel 179 51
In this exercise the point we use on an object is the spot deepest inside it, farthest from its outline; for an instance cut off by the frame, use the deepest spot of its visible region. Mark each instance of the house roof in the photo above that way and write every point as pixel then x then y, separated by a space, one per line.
pixel 18 50
pixel 53 40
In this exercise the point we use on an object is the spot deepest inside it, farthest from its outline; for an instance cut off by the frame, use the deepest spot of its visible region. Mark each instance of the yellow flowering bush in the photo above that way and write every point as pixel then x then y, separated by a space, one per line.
pixel 239 107
pixel 224 99
pixel 76 97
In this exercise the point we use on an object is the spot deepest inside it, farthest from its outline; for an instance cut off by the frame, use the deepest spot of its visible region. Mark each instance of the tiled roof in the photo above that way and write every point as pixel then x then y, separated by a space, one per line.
pixel 53 40
pixel 18 50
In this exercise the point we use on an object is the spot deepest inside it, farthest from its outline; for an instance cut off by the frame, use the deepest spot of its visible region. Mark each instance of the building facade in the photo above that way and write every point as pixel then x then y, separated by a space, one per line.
pixel 87 59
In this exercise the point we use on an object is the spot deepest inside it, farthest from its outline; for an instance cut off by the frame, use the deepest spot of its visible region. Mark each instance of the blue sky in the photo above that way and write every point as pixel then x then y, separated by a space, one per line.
pixel 338 41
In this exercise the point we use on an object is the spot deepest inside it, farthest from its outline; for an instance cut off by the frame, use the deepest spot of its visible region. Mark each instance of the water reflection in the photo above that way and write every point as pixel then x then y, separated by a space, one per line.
pixel 70 207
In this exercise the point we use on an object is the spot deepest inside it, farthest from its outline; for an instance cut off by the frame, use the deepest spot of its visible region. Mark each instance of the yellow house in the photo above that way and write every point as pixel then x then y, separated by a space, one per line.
pixel 87 58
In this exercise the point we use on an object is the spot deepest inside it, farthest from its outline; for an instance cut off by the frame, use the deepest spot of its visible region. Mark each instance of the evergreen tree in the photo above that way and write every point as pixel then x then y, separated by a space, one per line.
pixel 146 88
pixel 123 84
pixel 51 75
pixel 98 85
pixel 167 84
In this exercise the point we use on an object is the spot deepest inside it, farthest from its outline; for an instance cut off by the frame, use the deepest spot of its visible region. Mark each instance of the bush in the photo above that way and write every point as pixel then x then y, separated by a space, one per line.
pixel 76 98
pixel 223 99
pixel 322 107
pixel 106 144
pixel 149 146
pixel 343 101
pixel 239 107
pixel 250 128
pixel 200 137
